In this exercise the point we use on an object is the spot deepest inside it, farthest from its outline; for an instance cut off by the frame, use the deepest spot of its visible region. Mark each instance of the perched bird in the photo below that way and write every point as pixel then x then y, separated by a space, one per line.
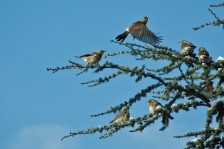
pixel 207 90
pixel 92 58
pixel 187 48
pixel 123 116
pixel 220 61
pixel 203 56
pixel 154 105
pixel 140 31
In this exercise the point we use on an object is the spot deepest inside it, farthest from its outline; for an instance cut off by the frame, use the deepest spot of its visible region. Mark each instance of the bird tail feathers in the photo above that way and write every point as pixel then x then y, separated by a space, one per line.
pixel 122 36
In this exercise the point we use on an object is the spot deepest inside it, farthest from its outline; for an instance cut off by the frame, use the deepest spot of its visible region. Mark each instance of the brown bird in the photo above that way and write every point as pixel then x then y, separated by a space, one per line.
pixel 187 48
pixel 140 31
pixel 203 56
pixel 207 90
pixel 122 117
pixel 92 58
pixel 154 105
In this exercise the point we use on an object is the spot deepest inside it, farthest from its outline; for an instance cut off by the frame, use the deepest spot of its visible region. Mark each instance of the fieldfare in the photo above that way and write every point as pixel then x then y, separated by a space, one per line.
pixel 92 58
pixel 140 31
pixel 220 60
pixel 207 90
pixel 154 105
pixel 203 56
pixel 187 48
pixel 122 117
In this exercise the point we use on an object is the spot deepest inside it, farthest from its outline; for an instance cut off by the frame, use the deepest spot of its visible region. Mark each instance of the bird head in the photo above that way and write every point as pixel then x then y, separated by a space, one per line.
pixel 185 42
pixel 181 42
pixel 201 49
pixel 145 19
pixel 101 51
pixel 151 102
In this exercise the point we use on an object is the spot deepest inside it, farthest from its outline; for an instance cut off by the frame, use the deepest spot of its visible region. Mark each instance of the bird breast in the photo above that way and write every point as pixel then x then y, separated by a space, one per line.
pixel 187 50
pixel 151 109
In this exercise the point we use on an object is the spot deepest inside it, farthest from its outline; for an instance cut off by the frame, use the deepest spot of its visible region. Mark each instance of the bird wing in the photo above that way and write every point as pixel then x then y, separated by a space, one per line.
pixel 88 54
pixel 121 114
pixel 205 53
pixel 142 33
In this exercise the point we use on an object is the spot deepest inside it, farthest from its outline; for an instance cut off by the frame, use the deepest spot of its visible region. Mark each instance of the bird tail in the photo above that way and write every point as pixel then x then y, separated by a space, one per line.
pixel 77 56
pixel 122 36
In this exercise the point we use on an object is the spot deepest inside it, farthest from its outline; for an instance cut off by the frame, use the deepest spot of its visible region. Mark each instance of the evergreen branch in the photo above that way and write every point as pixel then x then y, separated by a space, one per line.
pixel 218 5
pixel 132 100
pixel 217 18
pixel 54 70
pixel 117 53
pixel 110 129
pixel 183 76
pixel 160 80
pixel 98 129
pixel 168 68
pixel 165 48
pixel 146 122
pixel 102 80
pixel 73 65
pixel 129 45
pixel 214 23
pixel 195 134
pixel 164 113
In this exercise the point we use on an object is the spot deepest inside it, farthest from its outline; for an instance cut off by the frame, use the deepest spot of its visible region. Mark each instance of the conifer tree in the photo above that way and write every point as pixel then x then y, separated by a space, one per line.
pixel 185 82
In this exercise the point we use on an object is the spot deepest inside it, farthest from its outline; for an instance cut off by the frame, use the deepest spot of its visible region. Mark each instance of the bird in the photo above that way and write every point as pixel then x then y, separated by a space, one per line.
pixel 203 56
pixel 220 61
pixel 122 117
pixel 140 31
pixel 207 90
pixel 187 48
pixel 154 105
pixel 92 58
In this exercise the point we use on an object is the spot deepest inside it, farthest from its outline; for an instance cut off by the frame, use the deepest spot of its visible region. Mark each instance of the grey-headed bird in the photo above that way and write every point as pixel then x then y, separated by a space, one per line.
pixel 140 31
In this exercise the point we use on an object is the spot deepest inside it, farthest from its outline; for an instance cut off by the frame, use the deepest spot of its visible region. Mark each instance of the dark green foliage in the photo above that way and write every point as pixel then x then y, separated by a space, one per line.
pixel 179 81
pixel 217 22
pixel 186 83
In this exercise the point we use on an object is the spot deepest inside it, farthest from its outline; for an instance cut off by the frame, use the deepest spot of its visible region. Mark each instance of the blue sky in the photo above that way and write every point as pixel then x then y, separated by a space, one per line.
pixel 38 107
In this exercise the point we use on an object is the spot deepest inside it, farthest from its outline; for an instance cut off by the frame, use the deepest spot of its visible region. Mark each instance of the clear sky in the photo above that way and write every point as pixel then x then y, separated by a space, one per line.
pixel 37 107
